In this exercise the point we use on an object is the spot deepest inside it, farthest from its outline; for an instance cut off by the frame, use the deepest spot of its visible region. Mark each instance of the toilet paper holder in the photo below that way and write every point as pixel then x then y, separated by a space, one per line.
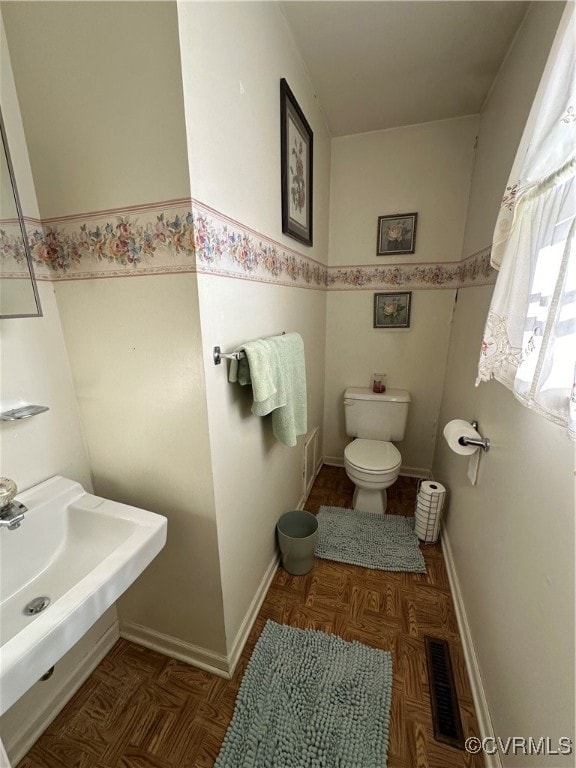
pixel 482 442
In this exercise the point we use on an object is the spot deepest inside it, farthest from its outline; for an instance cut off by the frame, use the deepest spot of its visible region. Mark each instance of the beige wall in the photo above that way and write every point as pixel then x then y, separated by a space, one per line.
pixel 256 478
pixel 502 122
pixel 424 168
pixel 232 98
pixel 34 368
pixel 15 129
pixel 231 73
pixel 137 366
pixel 413 359
pixel 511 535
pixel 101 92
pixel 101 96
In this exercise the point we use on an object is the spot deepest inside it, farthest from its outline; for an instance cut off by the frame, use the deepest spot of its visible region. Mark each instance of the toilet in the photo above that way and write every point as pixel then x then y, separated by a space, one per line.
pixel 372 462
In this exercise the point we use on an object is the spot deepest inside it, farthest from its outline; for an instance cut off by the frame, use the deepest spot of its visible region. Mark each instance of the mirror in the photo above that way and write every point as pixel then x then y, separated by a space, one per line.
pixel 18 289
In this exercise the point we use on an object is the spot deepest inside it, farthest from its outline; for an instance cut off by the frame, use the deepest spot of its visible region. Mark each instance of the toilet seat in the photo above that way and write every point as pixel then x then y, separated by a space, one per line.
pixel 375 456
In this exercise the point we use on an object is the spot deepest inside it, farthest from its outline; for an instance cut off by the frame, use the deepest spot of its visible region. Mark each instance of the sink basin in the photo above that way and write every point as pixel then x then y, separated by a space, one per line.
pixel 80 551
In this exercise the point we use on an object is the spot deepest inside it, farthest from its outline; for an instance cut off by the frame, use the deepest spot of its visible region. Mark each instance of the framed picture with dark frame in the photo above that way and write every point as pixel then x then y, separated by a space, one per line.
pixel 296 147
pixel 392 310
pixel 396 234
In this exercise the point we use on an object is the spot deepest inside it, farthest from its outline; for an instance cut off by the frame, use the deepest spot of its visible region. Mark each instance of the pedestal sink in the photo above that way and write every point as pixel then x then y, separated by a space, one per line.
pixel 71 558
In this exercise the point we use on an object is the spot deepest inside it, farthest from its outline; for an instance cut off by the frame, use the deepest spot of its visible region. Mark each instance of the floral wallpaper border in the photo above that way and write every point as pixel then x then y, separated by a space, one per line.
pixel 474 270
pixel 188 236
pixel 147 239
pixel 225 247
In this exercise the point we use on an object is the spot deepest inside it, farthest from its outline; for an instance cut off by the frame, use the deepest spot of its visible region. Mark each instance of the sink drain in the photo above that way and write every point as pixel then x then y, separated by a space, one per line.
pixel 36 606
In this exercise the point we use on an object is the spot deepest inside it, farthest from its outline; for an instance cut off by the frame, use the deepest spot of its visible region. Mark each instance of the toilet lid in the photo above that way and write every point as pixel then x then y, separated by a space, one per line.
pixel 373 455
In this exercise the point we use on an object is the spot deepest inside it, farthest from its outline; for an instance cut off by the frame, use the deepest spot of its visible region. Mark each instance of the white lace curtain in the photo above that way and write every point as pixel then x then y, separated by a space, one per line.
pixel 529 341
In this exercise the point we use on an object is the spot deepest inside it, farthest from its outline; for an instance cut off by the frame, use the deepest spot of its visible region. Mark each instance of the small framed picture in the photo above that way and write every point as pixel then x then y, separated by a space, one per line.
pixel 396 234
pixel 392 310
pixel 296 147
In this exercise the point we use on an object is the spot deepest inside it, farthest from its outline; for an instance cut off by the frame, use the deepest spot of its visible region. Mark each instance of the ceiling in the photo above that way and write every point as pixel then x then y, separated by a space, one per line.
pixel 381 64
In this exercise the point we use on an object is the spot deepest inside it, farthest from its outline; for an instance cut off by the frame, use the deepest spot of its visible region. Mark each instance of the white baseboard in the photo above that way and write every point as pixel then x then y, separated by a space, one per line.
pixel 333 461
pixel 478 694
pixel 22 741
pixel 250 618
pixel 419 472
pixel 215 663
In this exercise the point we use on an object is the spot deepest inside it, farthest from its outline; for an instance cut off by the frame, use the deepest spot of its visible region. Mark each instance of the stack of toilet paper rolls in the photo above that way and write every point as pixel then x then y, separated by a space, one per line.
pixel 429 505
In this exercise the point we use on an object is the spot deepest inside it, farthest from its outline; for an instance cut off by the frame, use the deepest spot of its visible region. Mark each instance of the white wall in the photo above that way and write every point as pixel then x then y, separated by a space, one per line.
pixel 511 535
pixel 424 168
pixel 234 55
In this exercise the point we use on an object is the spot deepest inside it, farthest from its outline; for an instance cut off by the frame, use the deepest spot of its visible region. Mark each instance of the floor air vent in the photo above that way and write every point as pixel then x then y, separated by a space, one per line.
pixel 445 710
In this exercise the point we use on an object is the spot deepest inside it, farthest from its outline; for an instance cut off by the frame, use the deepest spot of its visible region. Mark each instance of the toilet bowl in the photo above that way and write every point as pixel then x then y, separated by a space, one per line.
pixel 372 461
pixel 373 466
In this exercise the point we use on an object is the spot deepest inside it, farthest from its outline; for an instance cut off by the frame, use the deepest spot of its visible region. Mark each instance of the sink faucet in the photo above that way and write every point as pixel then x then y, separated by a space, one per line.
pixel 11 512
pixel 12 515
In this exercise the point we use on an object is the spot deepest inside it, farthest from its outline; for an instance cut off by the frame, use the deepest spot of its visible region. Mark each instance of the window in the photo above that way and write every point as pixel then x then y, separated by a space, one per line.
pixel 529 343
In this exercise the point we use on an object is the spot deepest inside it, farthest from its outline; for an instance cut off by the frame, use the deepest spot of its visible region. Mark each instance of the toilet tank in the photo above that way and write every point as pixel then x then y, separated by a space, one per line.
pixel 376 416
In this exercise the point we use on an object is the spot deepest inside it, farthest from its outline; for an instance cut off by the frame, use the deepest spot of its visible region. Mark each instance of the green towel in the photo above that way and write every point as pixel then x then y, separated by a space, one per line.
pixel 276 369
pixel 261 369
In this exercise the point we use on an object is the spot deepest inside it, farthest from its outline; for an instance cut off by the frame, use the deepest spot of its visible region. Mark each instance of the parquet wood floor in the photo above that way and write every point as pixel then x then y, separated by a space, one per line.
pixel 140 709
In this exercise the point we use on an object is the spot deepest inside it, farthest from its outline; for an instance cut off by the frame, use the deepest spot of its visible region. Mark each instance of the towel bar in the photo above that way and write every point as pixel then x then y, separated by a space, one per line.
pixel 219 356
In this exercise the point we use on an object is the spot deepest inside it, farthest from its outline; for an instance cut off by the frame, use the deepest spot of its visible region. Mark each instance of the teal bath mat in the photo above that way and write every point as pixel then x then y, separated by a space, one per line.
pixel 310 700
pixel 386 542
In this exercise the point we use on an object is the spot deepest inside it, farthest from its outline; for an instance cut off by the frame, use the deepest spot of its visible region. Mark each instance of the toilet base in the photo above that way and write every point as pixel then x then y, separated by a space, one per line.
pixel 369 500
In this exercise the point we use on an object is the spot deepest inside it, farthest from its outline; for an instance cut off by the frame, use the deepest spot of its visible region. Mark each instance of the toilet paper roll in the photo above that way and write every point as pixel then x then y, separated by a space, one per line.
pixel 456 429
pixel 431 488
